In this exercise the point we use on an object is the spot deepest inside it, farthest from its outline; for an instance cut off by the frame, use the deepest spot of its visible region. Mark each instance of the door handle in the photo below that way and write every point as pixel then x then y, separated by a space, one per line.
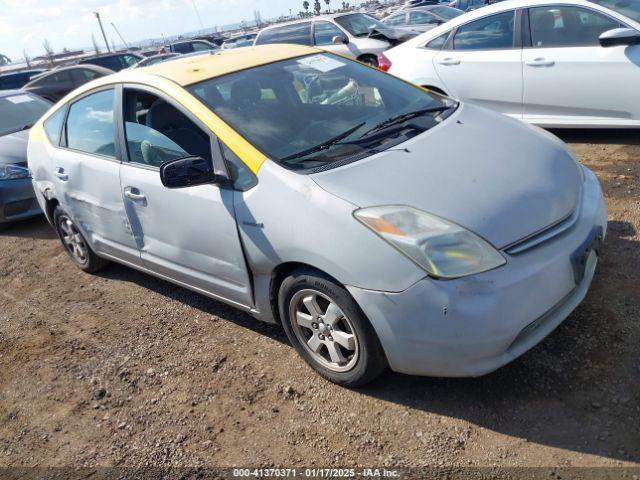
pixel 59 172
pixel 134 194
pixel 448 61
pixel 541 62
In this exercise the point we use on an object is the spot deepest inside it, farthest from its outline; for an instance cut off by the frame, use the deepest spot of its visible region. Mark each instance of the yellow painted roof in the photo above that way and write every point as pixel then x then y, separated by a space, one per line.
pixel 190 70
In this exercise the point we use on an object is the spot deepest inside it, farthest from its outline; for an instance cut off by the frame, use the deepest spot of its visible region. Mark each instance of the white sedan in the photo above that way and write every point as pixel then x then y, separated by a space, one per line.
pixel 573 63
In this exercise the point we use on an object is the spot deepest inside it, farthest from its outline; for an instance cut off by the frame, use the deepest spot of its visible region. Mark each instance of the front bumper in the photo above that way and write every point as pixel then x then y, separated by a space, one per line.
pixel 473 325
pixel 17 200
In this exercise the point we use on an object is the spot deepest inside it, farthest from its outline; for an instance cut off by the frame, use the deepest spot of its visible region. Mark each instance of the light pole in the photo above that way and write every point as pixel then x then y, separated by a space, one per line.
pixel 195 7
pixel 102 29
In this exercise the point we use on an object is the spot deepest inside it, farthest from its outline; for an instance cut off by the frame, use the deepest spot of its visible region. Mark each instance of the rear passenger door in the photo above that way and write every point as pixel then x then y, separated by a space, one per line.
pixel 482 62
pixel 86 175
pixel 569 77
pixel 190 234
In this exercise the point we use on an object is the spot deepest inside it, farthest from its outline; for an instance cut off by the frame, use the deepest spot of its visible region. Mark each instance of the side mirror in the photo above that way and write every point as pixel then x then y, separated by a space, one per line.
pixel 619 36
pixel 340 40
pixel 187 172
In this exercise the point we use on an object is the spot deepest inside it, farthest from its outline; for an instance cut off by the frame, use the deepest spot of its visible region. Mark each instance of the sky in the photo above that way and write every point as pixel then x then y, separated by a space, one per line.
pixel 25 24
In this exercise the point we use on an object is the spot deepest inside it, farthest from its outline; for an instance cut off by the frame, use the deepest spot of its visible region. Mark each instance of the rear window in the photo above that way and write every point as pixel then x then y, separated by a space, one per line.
pixel 20 112
pixel 298 33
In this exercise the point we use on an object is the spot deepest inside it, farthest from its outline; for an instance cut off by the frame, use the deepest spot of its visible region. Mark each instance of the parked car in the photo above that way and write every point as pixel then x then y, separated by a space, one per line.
pixel 188 46
pixel 469 5
pixel 354 35
pixel 422 19
pixel 167 57
pixel 18 112
pixel 409 4
pixel 152 60
pixel 317 192
pixel 114 61
pixel 214 38
pixel 239 41
pixel 552 72
pixel 15 80
pixel 55 84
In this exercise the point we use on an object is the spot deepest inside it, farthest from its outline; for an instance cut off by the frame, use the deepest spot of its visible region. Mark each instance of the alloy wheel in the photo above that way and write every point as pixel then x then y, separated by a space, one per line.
pixel 72 240
pixel 324 330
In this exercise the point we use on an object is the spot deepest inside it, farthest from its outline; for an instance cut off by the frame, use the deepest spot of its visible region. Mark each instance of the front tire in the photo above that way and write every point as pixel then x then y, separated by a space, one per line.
pixel 75 244
pixel 329 330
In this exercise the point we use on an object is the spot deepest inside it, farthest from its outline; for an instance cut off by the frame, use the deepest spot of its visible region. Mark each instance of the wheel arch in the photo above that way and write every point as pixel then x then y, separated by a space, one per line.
pixel 282 271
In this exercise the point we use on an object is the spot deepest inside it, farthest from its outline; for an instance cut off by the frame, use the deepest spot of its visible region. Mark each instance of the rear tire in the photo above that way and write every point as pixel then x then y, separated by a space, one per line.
pixel 75 244
pixel 329 330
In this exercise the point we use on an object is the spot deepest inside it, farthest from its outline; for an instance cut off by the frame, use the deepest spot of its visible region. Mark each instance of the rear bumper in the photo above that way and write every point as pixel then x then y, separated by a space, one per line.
pixel 474 325
pixel 17 200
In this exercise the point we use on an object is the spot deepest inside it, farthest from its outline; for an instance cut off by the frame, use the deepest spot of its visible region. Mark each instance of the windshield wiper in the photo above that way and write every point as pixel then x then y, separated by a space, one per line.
pixel 324 145
pixel 403 117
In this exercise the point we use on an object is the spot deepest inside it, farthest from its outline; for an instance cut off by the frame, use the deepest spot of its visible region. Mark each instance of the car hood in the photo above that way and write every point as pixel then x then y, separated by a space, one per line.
pixel 13 148
pixel 394 36
pixel 496 176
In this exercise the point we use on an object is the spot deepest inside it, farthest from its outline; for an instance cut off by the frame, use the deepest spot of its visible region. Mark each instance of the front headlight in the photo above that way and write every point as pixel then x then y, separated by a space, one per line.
pixel 13 172
pixel 442 248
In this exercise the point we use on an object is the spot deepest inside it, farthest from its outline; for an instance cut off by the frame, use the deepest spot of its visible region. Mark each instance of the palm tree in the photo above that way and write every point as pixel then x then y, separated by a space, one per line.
pixel 327 2
pixel 317 7
pixel 305 5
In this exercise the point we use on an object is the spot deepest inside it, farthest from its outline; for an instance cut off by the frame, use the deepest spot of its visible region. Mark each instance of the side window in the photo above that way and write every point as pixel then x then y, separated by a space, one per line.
pixel 421 18
pixel 200 46
pixel 243 179
pixel 156 131
pixel 53 126
pixel 84 74
pixel 297 33
pixel 488 33
pixel 560 26
pixel 323 33
pixel 90 125
pixel 438 42
pixel 182 48
pixel 129 60
pixel 395 20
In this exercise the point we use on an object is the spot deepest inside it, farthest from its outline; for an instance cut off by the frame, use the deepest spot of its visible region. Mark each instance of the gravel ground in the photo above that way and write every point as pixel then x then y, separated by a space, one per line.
pixel 122 369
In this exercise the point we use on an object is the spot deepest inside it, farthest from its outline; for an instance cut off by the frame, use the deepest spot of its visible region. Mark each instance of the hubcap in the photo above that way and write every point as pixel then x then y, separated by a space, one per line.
pixel 324 330
pixel 72 240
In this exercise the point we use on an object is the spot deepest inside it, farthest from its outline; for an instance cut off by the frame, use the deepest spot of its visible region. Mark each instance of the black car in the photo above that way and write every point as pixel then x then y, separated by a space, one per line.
pixel 18 112
pixel 14 80
pixel 188 46
pixel 114 61
pixel 57 83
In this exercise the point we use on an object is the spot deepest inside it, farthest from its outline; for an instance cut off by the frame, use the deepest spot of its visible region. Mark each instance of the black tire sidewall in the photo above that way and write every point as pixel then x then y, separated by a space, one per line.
pixel 371 361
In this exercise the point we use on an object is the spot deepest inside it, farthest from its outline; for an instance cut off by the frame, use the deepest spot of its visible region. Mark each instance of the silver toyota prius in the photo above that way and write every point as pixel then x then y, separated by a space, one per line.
pixel 382 225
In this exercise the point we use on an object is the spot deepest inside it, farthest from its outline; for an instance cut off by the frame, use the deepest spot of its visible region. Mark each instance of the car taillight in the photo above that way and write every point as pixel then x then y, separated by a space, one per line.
pixel 384 63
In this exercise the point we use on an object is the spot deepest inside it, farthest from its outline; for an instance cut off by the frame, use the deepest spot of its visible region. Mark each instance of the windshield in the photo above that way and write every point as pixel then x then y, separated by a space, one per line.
pixel 20 112
pixel 447 12
pixel 628 8
pixel 359 24
pixel 319 109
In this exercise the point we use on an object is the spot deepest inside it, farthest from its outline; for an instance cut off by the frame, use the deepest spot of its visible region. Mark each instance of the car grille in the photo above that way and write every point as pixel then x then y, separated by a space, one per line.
pixel 544 235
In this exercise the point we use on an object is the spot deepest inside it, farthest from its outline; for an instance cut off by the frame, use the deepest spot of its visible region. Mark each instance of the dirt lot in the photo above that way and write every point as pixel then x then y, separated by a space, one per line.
pixel 124 369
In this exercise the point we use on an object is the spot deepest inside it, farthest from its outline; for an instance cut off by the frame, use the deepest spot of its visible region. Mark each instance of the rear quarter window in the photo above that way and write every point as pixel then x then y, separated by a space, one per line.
pixel 53 126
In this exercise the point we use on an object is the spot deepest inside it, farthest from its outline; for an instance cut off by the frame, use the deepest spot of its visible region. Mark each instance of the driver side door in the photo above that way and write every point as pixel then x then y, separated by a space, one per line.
pixel 190 234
